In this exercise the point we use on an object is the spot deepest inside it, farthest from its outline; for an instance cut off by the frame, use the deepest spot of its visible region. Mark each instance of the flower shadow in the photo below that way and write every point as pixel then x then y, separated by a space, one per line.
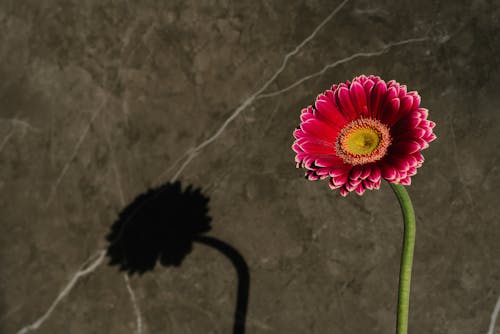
pixel 161 225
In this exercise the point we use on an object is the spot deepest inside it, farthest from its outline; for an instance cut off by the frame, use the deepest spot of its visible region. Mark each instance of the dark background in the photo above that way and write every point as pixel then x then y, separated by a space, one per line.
pixel 99 100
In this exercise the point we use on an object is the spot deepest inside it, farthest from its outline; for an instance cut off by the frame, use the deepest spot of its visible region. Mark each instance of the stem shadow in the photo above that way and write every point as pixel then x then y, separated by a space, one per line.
pixel 243 279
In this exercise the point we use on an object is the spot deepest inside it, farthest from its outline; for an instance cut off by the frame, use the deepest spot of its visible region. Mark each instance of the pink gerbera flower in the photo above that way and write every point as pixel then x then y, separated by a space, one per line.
pixel 359 132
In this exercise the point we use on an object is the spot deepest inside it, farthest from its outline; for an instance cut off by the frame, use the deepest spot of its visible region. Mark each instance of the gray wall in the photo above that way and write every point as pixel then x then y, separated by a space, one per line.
pixel 99 99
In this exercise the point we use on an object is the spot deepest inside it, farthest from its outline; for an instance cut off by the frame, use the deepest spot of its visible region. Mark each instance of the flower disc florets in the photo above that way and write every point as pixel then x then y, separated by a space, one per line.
pixel 363 141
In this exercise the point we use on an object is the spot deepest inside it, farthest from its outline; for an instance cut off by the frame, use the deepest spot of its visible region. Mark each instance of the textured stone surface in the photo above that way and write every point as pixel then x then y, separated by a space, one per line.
pixel 99 100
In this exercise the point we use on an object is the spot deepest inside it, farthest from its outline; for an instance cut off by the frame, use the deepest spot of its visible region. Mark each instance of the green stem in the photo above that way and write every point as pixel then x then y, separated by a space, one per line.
pixel 406 257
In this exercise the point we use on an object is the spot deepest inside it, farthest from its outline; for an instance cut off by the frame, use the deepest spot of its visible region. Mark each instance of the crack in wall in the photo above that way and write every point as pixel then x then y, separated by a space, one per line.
pixel 494 317
pixel 74 152
pixel 86 269
pixel 133 299
pixel 379 52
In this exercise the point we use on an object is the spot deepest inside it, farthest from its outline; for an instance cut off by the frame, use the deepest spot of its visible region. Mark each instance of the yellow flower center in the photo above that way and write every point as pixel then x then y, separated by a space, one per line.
pixel 363 141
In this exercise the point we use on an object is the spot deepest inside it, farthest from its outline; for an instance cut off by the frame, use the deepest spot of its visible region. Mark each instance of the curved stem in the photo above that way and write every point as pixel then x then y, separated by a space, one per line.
pixel 243 279
pixel 406 257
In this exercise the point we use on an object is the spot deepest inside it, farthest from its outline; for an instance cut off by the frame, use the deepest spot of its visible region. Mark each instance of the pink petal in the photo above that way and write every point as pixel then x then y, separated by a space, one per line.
pixel 431 137
pixel 408 134
pixel 416 101
pixel 402 91
pixel 327 111
pixel 312 176
pixel 360 189
pixel 333 185
pixel 312 147
pixel 390 111
pixel 306 116
pixel 318 129
pixel 356 172
pixel 377 98
pixel 368 87
pixel 417 133
pixel 425 124
pixel 400 164
pixel 405 124
pixel 298 133
pixel 340 179
pixel 388 171
pixel 345 103
pixel 328 161
pixel 350 187
pixel 358 98
pixel 406 106
pixel 423 144
pixel 412 171
pixel 296 148
pixel 368 184
pixel 323 172
pixel 344 170
pixel 374 78
pixel 366 172
pixel 412 162
pixel 419 157
pixel 361 79
pixel 307 110
pixel 406 181
pixel 392 92
pixel 355 183
pixel 424 113
pixel 427 133
pixel 406 147
pixel 375 174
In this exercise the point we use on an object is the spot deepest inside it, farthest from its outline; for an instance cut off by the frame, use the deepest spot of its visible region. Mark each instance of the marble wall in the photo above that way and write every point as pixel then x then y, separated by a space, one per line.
pixel 102 100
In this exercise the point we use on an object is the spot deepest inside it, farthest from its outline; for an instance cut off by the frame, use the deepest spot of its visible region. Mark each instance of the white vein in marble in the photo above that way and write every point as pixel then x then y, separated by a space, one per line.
pixel 75 151
pixel 86 269
pixel 494 317
pixel 381 51
pixel 133 299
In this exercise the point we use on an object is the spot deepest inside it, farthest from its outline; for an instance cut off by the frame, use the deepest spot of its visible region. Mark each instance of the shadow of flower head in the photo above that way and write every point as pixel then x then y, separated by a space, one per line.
pixel 159 225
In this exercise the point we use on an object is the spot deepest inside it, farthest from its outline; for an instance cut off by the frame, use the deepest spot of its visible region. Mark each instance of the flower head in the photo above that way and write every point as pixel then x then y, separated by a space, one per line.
pixel 359 132
pixel 160 225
